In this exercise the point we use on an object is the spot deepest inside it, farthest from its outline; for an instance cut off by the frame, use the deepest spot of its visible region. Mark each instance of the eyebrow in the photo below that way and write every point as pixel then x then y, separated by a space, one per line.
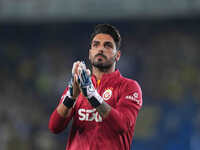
pixel 96 42
pixel 108 43
pixel 105 43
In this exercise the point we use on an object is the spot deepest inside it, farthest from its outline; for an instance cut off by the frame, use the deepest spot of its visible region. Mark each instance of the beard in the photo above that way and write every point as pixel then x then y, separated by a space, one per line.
pixel 102 65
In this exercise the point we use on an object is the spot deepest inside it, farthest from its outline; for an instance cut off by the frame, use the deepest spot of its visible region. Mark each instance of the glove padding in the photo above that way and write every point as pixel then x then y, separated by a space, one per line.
pixel 87 87
pixel 68 100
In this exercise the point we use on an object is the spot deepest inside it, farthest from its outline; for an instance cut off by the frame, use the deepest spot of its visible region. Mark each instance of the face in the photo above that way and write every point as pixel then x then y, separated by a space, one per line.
pixel 103 53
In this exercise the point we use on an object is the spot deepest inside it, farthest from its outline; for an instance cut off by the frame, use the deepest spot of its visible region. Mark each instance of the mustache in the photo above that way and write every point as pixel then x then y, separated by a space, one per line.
pixel 100 55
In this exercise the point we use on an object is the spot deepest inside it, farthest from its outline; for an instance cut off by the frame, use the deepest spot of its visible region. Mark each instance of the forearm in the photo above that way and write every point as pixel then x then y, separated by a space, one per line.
pixel 60 118
pixel 121 120
pixel 103 109
pixel 63 111
pixel 57 123
pixel 117 118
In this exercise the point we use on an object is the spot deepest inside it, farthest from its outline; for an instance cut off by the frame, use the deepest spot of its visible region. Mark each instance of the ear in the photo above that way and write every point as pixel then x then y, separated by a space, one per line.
pixel 118 54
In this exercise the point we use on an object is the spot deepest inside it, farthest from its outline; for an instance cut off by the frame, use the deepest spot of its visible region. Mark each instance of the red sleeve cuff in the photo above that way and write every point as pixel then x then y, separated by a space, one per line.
pixel 56 122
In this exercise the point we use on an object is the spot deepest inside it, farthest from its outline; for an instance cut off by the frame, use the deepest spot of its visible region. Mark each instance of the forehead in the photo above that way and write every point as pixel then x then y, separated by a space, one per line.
pixel 103 37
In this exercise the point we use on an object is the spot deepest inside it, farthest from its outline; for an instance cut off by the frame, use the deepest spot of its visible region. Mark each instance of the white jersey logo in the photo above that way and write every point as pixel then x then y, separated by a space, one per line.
pixel 134 98
pixel 89 115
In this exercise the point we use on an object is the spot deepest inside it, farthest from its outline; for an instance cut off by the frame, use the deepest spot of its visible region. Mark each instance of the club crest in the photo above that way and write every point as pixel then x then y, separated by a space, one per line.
pixel 107 94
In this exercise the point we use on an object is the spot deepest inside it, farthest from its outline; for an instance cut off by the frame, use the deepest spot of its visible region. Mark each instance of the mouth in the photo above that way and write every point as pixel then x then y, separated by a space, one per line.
pixel 100 56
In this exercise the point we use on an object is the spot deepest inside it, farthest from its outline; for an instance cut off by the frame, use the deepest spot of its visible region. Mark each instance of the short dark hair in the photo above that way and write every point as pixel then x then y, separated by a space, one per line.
pixel 107 29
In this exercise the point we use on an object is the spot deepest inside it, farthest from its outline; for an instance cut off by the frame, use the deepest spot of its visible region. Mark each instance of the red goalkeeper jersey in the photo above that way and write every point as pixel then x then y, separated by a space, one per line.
pixel 89 130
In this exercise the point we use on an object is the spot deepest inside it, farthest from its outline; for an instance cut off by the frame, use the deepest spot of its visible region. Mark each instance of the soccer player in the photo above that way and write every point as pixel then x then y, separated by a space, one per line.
pixel 103 107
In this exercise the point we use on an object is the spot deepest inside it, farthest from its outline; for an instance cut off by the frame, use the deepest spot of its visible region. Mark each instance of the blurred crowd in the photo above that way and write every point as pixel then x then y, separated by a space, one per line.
pixel 163 56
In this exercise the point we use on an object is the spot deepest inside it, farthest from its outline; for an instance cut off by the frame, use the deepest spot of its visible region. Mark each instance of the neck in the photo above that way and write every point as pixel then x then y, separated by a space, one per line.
pixel 99 73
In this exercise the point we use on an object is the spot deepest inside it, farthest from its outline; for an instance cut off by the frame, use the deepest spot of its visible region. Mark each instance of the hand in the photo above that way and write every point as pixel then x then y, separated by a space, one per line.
pixel 73 88
pixel 85 82
pixel 87 86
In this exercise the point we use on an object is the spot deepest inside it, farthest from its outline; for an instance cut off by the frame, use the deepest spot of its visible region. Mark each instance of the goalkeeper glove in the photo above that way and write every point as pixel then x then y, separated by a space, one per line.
pixel 87 87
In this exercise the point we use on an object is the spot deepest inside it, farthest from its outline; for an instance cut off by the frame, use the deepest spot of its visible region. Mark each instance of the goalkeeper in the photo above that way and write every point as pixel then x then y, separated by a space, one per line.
pixel 104 105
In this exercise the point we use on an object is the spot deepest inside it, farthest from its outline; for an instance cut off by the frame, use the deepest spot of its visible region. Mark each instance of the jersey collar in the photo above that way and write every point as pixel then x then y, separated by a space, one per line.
pixel 107 76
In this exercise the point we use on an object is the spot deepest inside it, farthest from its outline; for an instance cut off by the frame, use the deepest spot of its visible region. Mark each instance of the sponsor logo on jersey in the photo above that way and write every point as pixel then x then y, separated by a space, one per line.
pixel 135 98
pixel 107 94
pixel 89 115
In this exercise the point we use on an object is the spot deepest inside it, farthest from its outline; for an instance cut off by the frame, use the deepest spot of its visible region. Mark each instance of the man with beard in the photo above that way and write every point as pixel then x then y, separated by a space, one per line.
pixel 103 107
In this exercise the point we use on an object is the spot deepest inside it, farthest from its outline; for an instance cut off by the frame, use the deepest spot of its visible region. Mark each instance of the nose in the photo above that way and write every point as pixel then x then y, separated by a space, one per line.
pixel 100 51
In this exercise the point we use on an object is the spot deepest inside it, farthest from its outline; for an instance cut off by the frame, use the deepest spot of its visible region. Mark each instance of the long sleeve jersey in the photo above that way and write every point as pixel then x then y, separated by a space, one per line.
pixel 89 130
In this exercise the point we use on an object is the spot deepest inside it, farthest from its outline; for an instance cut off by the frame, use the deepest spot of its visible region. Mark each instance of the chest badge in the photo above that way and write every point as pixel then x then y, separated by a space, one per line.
pixel 107 94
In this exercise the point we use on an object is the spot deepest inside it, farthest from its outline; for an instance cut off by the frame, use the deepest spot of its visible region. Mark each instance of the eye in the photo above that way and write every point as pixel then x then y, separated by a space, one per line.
pixel 108 45
pixel 95 44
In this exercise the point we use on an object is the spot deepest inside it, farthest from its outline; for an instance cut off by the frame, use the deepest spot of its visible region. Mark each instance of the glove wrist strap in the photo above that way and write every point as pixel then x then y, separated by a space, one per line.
pixel 68 102
pixel 95 101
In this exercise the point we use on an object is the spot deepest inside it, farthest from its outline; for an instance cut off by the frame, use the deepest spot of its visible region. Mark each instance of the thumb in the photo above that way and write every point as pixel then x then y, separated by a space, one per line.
pixel 88 72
